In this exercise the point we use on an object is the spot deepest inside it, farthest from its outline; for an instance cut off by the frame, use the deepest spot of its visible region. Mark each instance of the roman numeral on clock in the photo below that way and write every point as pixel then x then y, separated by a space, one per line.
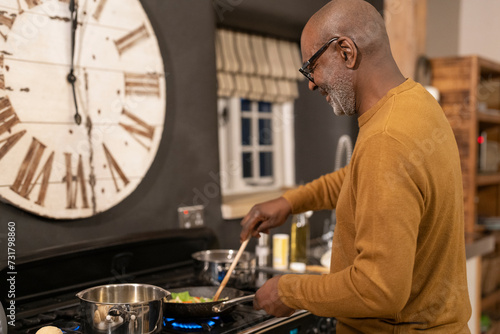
pixel 131 39
pixel 24 184
pixel 8 119
pixel 98 10
pixel 7 20
pixel 142 84
pixel 10 142
pixel 73 182
pixel 139 128
pixel 2 78
pixel 113 166
pixel 33 3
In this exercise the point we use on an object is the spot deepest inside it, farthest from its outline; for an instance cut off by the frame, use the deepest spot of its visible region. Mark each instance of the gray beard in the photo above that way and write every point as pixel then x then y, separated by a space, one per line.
pixel 342 97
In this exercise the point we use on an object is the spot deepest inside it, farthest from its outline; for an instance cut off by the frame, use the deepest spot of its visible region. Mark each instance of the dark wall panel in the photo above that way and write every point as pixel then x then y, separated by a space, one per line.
pixel 188 152
pixel 279 18
pixel 186 168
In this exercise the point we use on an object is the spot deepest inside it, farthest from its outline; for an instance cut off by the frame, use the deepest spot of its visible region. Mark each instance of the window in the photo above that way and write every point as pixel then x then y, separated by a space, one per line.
pixel 256 85
pixel 256 145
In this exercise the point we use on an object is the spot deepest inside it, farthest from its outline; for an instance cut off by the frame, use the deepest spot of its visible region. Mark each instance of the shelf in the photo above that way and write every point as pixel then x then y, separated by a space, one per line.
pixel 490 300
pixel 488 66
pixel 488 179
pixel 488 117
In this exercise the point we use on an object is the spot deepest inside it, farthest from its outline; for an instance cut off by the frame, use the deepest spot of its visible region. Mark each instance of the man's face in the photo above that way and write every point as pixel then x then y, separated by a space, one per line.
pixel 330 76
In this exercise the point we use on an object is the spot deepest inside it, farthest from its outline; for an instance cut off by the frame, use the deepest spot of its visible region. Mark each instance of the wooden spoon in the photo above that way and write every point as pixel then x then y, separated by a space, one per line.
pixel 230 270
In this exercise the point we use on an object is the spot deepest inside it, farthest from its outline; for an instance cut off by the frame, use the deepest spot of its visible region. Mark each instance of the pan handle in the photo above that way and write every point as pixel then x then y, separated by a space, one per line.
pixel 224 305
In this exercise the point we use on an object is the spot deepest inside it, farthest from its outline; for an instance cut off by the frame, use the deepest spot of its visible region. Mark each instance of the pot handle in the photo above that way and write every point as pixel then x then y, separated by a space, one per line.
pixel 120 312
pixel 224 305
pixel 168 295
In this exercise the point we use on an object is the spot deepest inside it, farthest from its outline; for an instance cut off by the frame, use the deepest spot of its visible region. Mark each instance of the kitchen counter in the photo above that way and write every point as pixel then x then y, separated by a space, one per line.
pixel 475 245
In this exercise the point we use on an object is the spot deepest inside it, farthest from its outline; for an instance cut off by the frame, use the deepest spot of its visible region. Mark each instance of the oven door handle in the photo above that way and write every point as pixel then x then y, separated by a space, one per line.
pixel 224 305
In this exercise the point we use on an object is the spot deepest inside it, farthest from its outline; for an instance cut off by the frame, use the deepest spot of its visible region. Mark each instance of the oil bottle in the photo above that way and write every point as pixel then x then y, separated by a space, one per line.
pixel 299 241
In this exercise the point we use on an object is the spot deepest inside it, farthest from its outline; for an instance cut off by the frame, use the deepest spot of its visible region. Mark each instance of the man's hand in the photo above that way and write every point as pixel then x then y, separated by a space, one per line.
pixel 264 216
pixel 267 299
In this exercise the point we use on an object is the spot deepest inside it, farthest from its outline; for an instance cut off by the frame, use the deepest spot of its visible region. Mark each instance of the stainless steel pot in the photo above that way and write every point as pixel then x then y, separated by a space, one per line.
pixel 210 267
pixel 122 308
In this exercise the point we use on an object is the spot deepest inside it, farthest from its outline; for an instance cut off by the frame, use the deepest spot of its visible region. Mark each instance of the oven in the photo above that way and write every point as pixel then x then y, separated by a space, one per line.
pixel 46 285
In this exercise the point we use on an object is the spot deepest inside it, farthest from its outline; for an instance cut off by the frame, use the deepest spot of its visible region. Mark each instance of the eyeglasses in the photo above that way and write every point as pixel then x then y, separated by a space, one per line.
pixel 306 67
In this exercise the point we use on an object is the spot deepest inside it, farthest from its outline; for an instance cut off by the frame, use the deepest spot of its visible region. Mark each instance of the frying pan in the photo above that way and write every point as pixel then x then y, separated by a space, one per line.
pixel 205 310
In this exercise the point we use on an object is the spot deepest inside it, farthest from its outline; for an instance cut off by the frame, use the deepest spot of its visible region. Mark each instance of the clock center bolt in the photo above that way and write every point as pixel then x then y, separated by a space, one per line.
pixel 71 77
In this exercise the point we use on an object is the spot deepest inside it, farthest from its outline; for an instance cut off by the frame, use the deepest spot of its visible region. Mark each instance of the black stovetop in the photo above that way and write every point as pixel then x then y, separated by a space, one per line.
pixel 47 286
pixel 47 283
pixel 68 320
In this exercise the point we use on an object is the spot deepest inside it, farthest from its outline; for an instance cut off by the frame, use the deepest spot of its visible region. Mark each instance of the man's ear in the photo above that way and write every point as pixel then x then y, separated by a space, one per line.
pixel 347 51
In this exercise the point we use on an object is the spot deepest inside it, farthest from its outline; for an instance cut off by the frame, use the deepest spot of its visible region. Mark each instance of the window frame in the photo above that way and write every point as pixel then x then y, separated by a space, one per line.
pixel 231 148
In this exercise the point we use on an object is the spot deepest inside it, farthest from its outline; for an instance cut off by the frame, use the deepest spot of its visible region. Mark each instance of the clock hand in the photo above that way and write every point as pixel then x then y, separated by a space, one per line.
pixel 71 76
pixel 82 29
pixel 78 118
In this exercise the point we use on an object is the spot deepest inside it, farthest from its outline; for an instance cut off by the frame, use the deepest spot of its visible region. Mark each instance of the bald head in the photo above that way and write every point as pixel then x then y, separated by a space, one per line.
pixel 357 69
pixel 356 19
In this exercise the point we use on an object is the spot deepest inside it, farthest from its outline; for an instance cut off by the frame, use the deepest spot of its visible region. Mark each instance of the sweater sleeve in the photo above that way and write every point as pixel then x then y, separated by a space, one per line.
pixel 320 194
pixel 388 191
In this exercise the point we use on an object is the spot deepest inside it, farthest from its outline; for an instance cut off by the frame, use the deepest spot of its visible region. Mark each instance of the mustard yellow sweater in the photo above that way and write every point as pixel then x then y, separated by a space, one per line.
pixel 398 257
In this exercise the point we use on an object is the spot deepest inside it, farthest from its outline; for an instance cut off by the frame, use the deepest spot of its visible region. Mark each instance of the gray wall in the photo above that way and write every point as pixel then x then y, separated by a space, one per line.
pixel 443 18
pixel 188 154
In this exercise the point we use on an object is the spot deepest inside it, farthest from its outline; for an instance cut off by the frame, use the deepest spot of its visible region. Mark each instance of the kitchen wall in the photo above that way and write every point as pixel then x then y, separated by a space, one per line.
pixel 187 153
pixel 442 28
pixel 183 171
pixel 479 27
pixel 463 27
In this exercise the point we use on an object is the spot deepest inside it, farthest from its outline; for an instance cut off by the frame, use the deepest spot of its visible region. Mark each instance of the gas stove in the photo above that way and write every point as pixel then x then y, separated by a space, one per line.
pixel 46 285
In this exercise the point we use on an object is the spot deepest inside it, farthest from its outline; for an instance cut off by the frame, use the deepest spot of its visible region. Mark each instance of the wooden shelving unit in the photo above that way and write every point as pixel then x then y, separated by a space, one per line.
pixel 488 118
pixel 488 179
pixel 460 81
pixel 490 300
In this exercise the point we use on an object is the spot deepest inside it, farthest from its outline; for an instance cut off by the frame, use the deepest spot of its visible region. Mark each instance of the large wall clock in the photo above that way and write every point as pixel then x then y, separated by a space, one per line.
pixel 82 104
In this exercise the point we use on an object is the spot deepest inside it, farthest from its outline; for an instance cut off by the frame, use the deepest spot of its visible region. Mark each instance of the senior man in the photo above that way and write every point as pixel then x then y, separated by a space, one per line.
pixel 398 255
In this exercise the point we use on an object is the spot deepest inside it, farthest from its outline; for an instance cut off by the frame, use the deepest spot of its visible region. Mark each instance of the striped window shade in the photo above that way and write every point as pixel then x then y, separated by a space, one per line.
pixel 256 67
